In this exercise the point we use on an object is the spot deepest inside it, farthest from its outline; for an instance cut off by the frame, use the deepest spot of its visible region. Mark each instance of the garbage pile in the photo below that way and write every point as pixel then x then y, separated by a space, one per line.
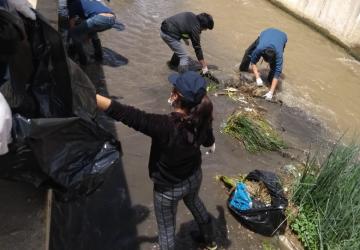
pixel 257 201
pixel 55 139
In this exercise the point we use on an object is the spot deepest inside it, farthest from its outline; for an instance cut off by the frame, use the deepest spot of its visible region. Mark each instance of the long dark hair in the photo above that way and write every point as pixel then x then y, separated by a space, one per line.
pixel 198 119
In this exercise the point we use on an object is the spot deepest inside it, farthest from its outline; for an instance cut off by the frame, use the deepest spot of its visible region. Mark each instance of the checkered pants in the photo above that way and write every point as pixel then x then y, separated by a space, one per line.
pixel 166 201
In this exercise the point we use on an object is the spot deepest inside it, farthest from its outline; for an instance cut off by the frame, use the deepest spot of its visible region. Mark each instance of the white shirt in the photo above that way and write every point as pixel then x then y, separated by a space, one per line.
pixel 5 125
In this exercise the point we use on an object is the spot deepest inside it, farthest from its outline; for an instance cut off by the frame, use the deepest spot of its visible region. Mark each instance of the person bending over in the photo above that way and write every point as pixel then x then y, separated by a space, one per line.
pixel 270 46
pixel 175 156
pixel 185 25
pixel 96 17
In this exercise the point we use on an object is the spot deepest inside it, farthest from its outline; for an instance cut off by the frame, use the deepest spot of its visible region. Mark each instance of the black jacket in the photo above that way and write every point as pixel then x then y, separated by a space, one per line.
pixel 184 25
pixel 172 157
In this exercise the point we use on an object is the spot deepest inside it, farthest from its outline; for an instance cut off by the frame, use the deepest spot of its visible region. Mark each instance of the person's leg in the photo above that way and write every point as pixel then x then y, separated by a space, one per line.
pixel 193 201
pixel 179 50
pixel 271 72
pixel 98 23
pixel 78 35
pixel 245 62
pixel 165 204
pixel 98 53
pixel 175 60
pixel 198 210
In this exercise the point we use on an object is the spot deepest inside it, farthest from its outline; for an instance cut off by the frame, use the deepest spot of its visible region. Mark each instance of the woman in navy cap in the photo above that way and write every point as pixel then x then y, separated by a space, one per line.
pixel 175 156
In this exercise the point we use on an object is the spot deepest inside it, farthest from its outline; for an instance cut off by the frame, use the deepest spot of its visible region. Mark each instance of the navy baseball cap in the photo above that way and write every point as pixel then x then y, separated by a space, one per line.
pixel 190 85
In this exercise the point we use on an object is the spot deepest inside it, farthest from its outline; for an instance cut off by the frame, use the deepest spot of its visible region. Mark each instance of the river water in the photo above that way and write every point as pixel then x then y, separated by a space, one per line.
pixel 320 77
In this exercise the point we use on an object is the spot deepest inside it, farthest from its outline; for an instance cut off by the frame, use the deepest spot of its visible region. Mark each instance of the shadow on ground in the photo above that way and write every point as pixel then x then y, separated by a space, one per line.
pixel 105 220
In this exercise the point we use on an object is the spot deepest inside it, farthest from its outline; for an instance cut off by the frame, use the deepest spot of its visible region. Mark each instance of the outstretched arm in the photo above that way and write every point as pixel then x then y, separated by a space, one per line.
pixel 103 102
pixel 153 125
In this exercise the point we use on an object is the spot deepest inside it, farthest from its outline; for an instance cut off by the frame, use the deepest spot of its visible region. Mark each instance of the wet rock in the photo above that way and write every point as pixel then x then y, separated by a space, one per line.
pixel 260 91
pixel 225 79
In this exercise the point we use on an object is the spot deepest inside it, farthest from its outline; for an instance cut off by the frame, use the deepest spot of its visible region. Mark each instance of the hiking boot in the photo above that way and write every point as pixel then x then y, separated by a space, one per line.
pixel 171 66
pixel 174 62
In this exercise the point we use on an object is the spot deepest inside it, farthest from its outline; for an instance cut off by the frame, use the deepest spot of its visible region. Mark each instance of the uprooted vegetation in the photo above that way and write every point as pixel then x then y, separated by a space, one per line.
pixel 254 132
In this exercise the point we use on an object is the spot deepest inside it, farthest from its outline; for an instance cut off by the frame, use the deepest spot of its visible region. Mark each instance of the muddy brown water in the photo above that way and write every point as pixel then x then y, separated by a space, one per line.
pixel 320 78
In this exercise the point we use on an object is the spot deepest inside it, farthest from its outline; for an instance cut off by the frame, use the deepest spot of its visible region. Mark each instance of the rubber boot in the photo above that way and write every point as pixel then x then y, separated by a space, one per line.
pixel 206 236
pixel 98 53
pixel 174 62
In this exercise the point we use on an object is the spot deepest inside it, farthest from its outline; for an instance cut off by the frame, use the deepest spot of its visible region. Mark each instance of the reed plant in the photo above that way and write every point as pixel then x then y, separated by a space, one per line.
pixel 329 198
pixel 254 132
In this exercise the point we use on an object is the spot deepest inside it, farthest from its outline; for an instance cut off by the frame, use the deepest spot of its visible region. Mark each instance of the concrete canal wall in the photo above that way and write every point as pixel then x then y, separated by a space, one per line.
pixel 338 19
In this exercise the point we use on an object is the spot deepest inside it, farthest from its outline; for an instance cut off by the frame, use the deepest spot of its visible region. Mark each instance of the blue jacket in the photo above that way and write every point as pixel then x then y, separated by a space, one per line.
pixel 275 39
pixel 87 8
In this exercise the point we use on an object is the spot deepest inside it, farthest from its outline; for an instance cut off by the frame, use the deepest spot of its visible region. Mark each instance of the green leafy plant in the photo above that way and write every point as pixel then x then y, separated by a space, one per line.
pixel 305 226
pixel 211 86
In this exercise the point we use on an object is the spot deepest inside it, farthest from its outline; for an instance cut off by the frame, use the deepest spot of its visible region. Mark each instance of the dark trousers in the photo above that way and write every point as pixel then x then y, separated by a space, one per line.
pixel 245 62
pixel 166 202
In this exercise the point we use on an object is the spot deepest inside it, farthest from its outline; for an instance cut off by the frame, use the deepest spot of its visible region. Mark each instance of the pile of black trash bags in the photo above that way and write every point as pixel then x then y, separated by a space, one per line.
pixel 56 139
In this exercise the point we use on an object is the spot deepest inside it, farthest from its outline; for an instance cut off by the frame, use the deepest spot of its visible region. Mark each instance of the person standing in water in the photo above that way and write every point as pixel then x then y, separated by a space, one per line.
pixel 95 17
pixel 270 46
pixel 185 25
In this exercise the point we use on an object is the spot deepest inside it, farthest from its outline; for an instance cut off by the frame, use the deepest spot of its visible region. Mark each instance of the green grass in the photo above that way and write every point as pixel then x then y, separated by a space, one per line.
pixel 211 86
pixel 329 199
pixel 254 132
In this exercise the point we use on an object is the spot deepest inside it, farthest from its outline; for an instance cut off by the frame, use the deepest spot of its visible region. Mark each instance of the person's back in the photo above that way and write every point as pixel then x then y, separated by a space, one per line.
pixel 273 38
pixel 183 25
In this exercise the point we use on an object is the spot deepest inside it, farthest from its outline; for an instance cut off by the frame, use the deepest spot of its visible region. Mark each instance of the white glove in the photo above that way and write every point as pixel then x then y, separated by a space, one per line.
pixel 259 82
pixel 204 70
pixel 5 125
pixel 211 149
pixel 24 7
pixel 268 96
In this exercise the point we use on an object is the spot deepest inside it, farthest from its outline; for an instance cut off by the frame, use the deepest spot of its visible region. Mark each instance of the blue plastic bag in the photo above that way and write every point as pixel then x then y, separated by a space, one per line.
pixel 241 199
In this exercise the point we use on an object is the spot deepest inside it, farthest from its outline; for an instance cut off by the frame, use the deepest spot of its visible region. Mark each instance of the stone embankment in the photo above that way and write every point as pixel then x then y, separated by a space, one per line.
pixel 337 19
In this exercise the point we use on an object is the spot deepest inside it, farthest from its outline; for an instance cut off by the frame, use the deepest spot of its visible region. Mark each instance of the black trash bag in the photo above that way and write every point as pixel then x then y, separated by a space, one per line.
pixel 20 164
pixel 264 220
pixel 51 82
pixel 75 154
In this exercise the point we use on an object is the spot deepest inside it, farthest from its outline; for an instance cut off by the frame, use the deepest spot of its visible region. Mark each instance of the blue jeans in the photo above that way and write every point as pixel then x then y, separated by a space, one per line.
pixel 91 26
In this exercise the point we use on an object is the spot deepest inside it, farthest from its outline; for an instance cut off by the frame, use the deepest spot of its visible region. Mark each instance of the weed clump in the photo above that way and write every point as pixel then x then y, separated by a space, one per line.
pixel 254 132
pixel 328 197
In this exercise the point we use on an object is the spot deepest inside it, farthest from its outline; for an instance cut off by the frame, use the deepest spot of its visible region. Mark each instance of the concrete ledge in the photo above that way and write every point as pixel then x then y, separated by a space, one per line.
pixel 353 51
pixel 49 9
